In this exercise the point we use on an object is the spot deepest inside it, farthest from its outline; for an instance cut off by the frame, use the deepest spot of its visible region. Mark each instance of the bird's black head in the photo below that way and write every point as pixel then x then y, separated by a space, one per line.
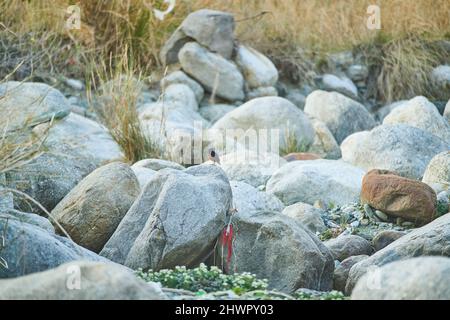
pixel 212 153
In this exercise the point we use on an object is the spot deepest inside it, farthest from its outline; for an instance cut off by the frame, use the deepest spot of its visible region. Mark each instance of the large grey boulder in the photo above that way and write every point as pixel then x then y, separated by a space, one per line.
pixel 268 114
pixel 80 137
pixel 47 178
pixel 214 112
pixel 400 148
pixel 447 111
pixel 251 167
pixel 342 115
pixel 257 69
pixel 91 212
pixel 331 181
pixel 248 199
pixel 29 248
pixel 81 280
pixel 432 239
pixel 276 248
pixel 143 175
pixel 29 218
pixel 437 173
pixel 27 104
pixel 74 147
pixel 180 95
pixel 424 278
pixel 210 28
pixel 422 114
pixel 175 220
pixel 345 246
pixel 173 128
pixel 215 73
pixel 158 164
pixel 309 216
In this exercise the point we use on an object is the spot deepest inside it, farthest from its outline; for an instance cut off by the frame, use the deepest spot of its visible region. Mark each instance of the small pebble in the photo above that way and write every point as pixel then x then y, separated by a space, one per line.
pixel 331 224
pixel 319 204
pixel 381 215
pixel 407 224
pixel 75 84
pixel 335 217
pixel 72 100
pixel 368 211
pixel 355 224
pixel 365 222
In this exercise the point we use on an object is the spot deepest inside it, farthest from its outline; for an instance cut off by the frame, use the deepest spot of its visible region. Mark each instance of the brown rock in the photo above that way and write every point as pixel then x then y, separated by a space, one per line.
pixel 400 197
pixel 91 212
pixel 301 156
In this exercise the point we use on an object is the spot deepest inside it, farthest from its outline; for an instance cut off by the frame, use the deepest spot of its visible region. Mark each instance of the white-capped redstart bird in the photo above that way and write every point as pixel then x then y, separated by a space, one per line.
pixel 213 156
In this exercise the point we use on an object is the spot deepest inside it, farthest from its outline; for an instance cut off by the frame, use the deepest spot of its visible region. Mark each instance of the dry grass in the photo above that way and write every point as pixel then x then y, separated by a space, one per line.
pixel 19 147
pixel 312 24
pixel 289 31
pixel 292 144
pixel 402 68
pixel 117 92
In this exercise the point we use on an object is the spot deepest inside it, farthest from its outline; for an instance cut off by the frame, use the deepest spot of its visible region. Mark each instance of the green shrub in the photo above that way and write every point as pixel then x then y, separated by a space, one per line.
pixel 203 279
pixel 442 208
pixel 331 295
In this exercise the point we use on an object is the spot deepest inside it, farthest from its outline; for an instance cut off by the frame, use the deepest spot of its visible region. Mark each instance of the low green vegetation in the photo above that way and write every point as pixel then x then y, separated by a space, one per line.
pixel 442 208
pixel 204 280
pixel 331 295
pixel 211 280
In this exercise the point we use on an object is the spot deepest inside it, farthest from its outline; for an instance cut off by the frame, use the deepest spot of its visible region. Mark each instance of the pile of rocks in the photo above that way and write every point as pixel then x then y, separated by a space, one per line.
pixel 207 51
pixel 346 204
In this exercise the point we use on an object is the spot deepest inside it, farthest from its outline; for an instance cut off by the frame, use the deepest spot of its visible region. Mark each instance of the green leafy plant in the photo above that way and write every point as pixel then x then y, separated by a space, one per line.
pixel 331 295
pixel 442 207
pixel 204 280
pixel 292 144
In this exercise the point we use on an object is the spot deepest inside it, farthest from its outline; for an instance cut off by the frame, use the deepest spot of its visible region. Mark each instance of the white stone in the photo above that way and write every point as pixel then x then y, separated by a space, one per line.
pixel 400 148
pixel 342 115
pixel 331 181
pixel 422 114
pixel 217 75
pixel 257 69
pixel 340 84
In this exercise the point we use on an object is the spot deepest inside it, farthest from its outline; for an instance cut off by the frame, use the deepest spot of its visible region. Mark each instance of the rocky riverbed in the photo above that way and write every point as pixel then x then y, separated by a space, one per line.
pixel 319 192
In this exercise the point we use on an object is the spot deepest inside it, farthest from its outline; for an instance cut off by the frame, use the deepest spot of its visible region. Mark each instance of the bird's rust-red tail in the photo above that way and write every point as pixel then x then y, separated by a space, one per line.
pixel 227 241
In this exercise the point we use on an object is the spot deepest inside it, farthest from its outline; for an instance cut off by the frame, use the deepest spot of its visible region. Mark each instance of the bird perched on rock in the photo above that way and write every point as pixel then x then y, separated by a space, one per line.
pixel 213 156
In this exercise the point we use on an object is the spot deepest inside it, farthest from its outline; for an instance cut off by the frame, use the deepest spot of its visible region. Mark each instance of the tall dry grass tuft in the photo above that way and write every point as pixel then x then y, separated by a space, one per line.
pixel 269 25
pixel 289 31
pixel 117 91
pixel 401 68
